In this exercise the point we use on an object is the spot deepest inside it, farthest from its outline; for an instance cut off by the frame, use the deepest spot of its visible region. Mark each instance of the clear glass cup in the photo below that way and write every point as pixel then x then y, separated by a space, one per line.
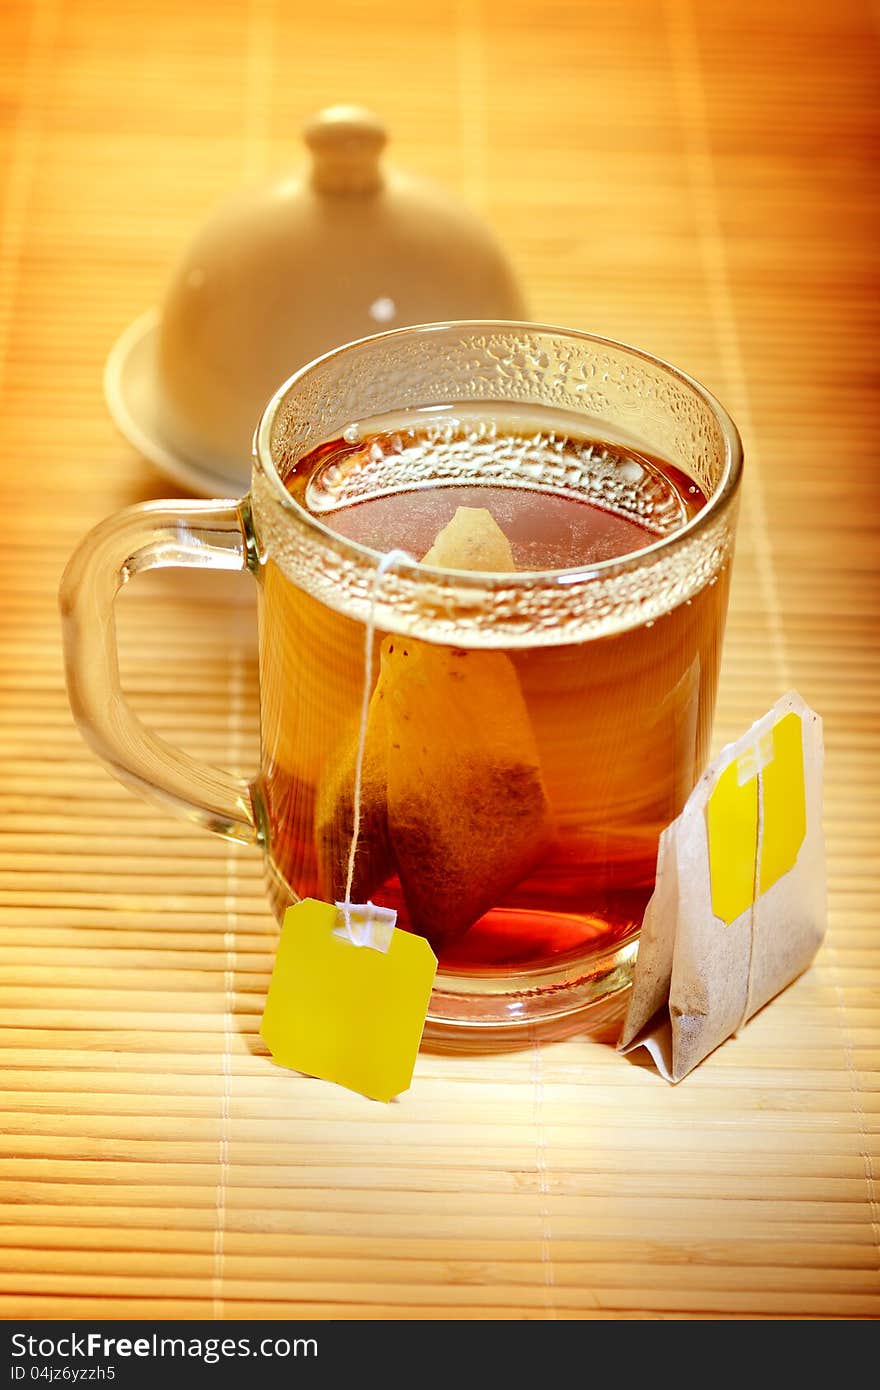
pixel 615 664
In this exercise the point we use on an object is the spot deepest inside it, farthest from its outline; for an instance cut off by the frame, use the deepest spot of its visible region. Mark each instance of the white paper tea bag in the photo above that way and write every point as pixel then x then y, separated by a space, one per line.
pixel 739 905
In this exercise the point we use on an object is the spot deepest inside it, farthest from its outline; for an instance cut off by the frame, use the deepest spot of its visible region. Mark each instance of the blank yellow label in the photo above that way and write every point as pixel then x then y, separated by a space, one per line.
pixel 347 1013
pixel 732 819
pixel 732 824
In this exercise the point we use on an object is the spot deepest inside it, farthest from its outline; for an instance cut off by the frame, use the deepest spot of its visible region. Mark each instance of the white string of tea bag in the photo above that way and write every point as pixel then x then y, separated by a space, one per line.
pixel 366 924
pixel 753 911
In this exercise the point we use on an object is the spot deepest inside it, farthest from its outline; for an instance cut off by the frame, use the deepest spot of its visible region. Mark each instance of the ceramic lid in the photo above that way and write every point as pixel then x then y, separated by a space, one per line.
pixel 284 272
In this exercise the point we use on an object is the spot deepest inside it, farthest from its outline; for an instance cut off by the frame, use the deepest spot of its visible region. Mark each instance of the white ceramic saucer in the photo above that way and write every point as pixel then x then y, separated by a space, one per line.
pixel 130 390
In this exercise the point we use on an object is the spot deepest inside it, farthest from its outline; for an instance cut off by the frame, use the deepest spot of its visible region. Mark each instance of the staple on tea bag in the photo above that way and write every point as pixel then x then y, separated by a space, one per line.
pixel 461 812
pixel 739 906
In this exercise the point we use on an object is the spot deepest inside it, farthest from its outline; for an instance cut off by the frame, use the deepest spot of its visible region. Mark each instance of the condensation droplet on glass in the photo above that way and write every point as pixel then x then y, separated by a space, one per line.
pixel 383 309
pixel 631 471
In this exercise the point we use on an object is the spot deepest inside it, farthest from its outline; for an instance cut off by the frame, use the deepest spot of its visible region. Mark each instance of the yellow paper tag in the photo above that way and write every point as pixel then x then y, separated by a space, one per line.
pixel 346 1013
pixel 737 862
pixel 732 823
pixel 785 805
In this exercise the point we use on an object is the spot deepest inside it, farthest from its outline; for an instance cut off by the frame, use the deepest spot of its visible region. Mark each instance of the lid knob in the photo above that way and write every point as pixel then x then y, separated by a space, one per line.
pixel 346 142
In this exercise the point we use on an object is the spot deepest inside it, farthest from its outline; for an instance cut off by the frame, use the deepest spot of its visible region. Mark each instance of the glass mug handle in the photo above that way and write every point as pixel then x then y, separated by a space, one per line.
pixel 155 535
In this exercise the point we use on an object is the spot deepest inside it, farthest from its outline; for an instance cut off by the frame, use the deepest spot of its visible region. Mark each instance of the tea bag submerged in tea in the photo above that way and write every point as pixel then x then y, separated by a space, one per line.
pixel 467 812
pixel 739 906
pixel 472 540
pixel 454 801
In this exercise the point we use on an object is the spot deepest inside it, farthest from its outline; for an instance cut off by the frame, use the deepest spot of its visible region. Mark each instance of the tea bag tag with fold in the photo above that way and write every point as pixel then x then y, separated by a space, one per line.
pixel 348 997
pixel 738 910
pixel 349 993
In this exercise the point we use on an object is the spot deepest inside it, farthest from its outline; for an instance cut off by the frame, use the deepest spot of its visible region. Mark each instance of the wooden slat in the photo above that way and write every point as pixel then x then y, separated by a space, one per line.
pixel 695 178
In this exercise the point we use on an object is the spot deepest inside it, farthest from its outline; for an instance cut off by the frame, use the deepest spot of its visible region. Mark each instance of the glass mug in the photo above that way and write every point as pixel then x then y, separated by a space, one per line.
pixel 512 817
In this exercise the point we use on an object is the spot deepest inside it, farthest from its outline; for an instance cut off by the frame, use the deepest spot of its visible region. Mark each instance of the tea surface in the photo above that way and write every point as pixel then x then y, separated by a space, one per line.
pixel 562 500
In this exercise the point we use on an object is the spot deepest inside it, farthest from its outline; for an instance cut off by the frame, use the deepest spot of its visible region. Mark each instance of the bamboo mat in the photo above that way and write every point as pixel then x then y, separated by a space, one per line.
pixel 692 177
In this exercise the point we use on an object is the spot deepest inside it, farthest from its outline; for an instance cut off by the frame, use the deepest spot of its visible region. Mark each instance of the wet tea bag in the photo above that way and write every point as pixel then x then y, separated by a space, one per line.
pixel 454 802
pixel 739 905
pixel 467 812
pixel 472 540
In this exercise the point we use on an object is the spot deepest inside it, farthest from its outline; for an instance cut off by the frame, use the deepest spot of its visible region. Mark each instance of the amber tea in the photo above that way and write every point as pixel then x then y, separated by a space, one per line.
pixel 512 796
